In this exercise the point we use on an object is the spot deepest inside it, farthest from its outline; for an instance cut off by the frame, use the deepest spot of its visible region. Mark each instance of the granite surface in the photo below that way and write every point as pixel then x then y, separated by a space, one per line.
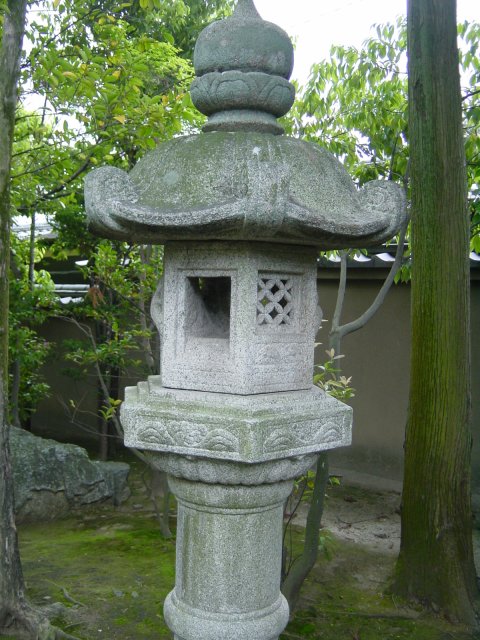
pixel 222 426
pixel 242 186
pixel 237 318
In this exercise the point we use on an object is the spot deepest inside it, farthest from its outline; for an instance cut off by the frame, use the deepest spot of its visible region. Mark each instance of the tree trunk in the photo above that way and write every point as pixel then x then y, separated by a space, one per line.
pixel 11 578
pixel 114 390
pixel 102 427
pixel 435 565
pixel 146 253
pixel 31 256
pixel 15 393
pixel 159 493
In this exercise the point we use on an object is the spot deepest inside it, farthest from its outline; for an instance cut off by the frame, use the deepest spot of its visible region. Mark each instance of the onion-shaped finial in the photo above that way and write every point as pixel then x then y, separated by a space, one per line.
pixel 243 64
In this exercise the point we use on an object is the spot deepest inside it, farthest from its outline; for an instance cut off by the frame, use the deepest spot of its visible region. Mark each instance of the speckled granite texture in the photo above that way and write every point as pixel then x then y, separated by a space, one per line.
pixel 237 318
pixel 233 418
pixel 222 426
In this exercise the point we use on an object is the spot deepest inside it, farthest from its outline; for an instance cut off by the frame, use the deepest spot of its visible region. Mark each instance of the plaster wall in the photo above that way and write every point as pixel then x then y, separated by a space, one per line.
pixel 378 359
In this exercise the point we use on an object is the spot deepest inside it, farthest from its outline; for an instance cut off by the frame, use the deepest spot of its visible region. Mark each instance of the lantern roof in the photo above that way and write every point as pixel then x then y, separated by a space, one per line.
pixel 241 178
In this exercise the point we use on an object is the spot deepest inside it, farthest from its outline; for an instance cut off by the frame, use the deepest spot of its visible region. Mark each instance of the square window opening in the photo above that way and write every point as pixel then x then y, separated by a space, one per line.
pixel 207 307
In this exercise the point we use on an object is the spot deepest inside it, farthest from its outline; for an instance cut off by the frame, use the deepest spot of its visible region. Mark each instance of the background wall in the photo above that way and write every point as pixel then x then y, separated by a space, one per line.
pixel 377 358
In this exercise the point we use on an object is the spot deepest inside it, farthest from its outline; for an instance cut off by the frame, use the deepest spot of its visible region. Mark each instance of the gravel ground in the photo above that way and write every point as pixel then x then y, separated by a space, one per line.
pixel 366 510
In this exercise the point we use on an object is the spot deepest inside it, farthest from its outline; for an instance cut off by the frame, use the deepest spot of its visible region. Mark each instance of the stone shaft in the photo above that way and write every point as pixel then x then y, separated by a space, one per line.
pixel 229 553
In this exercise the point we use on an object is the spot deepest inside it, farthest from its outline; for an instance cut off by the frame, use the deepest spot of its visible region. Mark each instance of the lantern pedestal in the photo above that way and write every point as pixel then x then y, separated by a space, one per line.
pixel 229 554
pixel 231 461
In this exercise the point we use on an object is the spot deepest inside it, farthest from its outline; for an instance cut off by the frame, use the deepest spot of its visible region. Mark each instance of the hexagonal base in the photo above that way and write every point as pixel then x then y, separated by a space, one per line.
pixel 247 429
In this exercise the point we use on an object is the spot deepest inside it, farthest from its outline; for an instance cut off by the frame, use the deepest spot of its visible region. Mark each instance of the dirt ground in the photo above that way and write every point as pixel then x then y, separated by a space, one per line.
pixel 362 514
pixel 364 517
pixel 365 510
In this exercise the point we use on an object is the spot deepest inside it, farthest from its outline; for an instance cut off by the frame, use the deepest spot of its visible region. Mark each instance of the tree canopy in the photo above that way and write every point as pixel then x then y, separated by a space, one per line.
pixel 101 82
pixel 355 104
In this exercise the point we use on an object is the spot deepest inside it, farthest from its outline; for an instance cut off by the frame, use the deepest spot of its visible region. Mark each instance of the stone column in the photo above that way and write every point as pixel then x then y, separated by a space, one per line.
pixel 229 550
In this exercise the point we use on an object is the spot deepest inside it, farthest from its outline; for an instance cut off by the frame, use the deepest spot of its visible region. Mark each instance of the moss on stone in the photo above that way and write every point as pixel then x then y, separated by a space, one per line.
pixel 114 562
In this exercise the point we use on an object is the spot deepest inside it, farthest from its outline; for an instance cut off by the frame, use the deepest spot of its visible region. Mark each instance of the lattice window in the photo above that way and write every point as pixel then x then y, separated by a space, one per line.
pixel 274 301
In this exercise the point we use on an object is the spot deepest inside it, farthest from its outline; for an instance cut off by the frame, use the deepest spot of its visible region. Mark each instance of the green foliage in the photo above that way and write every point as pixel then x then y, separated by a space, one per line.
pixel 103 81
pixel 328 377
pixel 109 411
pixel 116 334
pixel 95 89
pixel 31 352
pixel 355 105
pixel 470 62
pixel 108 93
pixel 30 305
pixel 177 21
pixel 123 280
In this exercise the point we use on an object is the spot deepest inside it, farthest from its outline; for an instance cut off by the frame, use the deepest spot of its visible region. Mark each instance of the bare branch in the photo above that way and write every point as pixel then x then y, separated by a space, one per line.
pixel 83 167
pixel 392 159
pixel 300 570
pixel 341 290
pixel 470 94
pixel 360 322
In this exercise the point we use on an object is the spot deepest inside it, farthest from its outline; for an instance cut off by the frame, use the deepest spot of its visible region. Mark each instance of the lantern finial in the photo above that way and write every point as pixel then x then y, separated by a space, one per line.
pixel 246 9
pixel 243 64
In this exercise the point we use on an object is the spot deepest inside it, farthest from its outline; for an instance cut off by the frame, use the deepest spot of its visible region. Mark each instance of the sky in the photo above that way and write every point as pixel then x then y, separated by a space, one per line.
pixel 317 24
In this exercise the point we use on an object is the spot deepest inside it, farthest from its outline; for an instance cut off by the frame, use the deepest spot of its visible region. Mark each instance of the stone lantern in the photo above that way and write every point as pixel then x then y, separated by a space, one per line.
pixel 233 418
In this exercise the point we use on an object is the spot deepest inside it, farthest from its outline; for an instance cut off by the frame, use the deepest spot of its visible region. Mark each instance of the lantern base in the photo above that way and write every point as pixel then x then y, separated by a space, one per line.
pixel 219 426
pixel 228 566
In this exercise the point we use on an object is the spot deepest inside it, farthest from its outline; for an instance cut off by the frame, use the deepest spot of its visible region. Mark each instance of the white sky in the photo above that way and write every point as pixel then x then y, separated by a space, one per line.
pixel 317 24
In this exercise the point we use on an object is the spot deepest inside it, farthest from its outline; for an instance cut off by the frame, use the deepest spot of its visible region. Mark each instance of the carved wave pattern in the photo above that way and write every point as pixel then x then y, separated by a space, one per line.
pixel 188 437
pixel 282 439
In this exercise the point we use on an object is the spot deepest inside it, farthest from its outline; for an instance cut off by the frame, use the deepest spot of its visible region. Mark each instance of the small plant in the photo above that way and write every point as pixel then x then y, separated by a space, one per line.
pixel 328 377
pixel 311 489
